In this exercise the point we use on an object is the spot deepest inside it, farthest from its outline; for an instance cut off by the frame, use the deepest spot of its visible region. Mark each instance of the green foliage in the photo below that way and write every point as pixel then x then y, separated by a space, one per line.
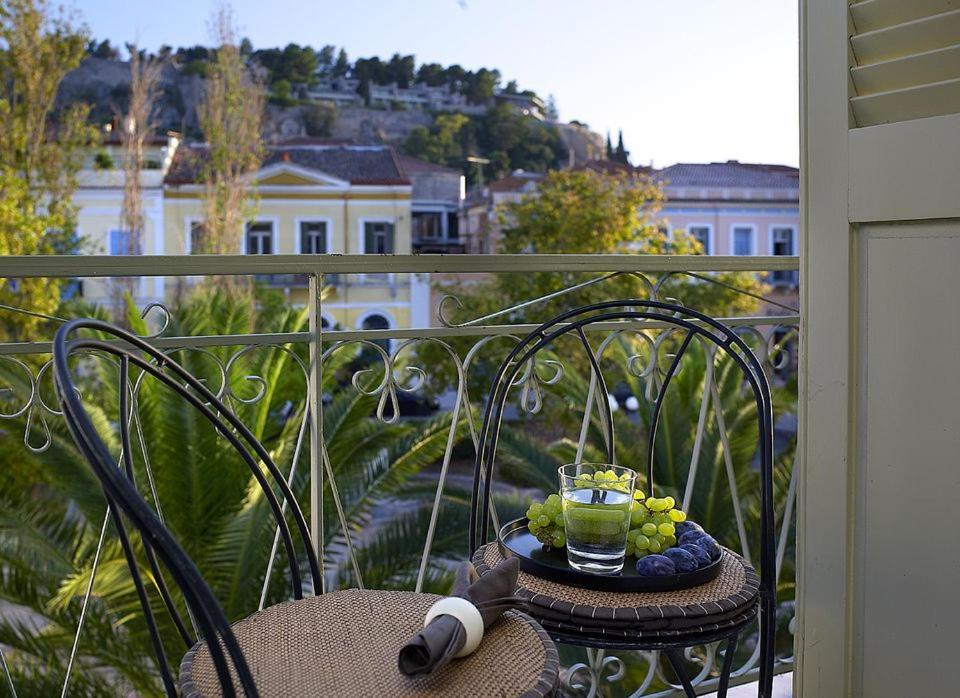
pixel 319 118
pixel 40 151
pixel 102 160
pixel 507 138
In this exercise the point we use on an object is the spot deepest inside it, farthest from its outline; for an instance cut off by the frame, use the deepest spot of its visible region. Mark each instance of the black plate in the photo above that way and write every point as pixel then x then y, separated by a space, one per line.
pixel 516 541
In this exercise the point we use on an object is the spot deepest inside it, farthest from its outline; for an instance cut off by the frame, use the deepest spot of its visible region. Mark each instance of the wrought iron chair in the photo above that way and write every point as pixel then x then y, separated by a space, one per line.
pixel 337 643
pixel 665 621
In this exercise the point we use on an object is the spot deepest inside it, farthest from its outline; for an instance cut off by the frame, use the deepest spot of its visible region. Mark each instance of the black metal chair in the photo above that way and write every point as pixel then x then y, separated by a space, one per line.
pixel 721 617
pixel 338 643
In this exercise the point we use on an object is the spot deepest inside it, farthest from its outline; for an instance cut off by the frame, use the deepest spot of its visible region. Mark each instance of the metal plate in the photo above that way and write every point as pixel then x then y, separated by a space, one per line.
pixel 516 541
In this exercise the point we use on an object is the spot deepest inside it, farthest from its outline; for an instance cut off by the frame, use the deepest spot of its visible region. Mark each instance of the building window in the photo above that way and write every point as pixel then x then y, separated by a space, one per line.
pixel 701 233
pixel 260 237
pixel 782 244
pixel 378 238
pixel 377 322
pixel 313 237
pixel 120 242
pixel 197 238
pixel 453 225
pixel 742 240
pixel 427 225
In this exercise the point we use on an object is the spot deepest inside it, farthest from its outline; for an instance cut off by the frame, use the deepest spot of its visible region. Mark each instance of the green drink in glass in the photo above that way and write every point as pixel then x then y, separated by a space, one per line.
pixel 596 514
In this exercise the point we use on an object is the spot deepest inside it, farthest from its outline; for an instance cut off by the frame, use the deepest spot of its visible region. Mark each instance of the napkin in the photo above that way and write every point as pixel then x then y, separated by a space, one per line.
pixel 439 641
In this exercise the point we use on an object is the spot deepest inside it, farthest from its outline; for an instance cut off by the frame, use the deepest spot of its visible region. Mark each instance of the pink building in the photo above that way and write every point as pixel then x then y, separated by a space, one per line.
pixel 735 208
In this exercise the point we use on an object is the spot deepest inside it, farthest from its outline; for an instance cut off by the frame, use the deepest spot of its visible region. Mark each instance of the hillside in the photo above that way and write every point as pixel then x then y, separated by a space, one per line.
pixel 499 126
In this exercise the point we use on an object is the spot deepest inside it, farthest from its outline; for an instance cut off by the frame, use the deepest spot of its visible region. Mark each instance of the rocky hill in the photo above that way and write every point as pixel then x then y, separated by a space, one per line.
pixel 104 84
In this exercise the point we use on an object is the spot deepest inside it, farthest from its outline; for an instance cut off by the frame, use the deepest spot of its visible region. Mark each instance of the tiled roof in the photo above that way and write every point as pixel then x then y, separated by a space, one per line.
pixel 411 165
pixel 358 164
pixel 730 174
pixel 610 167
pixel 516 181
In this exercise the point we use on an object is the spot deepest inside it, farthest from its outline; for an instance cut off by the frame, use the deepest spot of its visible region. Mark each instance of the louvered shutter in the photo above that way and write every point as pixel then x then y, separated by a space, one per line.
pixel 905 60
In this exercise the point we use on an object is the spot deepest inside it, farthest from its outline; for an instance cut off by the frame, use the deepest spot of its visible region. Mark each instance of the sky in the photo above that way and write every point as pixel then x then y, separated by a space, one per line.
pixel 686 80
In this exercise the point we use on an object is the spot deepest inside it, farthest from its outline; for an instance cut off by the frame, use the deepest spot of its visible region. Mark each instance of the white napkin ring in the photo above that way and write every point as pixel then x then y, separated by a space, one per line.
pixel 465 612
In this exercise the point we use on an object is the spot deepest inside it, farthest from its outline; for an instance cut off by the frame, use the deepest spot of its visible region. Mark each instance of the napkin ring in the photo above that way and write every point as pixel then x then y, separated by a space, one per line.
pixel 466 613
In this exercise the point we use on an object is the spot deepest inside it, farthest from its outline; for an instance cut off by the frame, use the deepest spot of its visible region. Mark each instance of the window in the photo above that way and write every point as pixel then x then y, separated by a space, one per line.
pixel 781 243
pixel 313 237
pixel 427 224
pixel 701 234
pixel 120 242
pixel 378 238
pixel 260 237
pixel 453 225
pixel 197 238
pixel 742 240
pixel 377 322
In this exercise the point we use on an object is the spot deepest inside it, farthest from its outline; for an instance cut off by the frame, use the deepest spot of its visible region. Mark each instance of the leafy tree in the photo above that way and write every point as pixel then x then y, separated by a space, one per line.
pixel 480 85
pixel 231 118
pixel 41 151
pixel 401 70
pixel 319 118
pixel 325 58
pixel 609 147
pixel 103 50
pixel 552 111
pixel 281 93
pixel 432 74
pixel 342 66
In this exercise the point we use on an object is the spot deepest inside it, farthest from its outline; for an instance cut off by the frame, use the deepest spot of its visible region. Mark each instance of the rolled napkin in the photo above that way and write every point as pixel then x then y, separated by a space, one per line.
pixel 445 636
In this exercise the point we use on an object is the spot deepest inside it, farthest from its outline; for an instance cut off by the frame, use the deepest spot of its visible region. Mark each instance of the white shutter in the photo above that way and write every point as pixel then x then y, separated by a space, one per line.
pixel 905 60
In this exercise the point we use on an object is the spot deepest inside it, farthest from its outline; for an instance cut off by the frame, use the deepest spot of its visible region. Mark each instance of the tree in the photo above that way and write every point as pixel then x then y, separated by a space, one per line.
pixel 621 154
pixel 609 147
pixel 319 118
pixel 41 151
pixel 231 118
pixel 342 66
pixel 401 70
pixel 138 124
pixel 552 111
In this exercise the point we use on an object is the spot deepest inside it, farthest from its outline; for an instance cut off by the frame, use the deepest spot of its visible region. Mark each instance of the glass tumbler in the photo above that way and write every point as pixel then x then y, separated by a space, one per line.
pixel 596 514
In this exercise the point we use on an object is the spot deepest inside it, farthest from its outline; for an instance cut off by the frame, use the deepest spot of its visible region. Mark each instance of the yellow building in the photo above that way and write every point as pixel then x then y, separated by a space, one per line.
pixel 314 197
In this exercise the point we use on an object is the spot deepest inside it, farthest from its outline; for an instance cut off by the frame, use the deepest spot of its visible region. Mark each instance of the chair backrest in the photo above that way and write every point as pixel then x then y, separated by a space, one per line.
pixel 115 473
pixel 689 324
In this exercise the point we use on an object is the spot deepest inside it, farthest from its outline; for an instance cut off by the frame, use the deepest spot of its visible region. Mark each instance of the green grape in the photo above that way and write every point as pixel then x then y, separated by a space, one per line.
pixel 558 520
pixel 666 529
pixel 628 551
pixel 632 535
pixel 533 527
pixel 648 529
pixel 671 502
pixel 641 542
pixel 637 517
pixel 543 520
pixel 670 541
pixel 638 495
pixel 677 516
pixel 546 521
pixel 654 546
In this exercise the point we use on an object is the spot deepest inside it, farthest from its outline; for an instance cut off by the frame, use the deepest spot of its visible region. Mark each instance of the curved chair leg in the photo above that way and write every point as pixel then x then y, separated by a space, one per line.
pixel 727 666
pixel 676 661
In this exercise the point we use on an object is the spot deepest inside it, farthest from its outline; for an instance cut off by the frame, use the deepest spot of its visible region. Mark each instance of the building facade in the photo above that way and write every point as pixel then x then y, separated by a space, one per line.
pixel 314 197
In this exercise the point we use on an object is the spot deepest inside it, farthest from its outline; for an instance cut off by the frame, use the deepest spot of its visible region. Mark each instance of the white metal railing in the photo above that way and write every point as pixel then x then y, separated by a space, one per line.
pixel 770 333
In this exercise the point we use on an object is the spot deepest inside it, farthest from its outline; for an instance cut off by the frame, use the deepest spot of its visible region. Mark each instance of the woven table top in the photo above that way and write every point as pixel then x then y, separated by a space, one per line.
pixel 345 643
pixel 730 595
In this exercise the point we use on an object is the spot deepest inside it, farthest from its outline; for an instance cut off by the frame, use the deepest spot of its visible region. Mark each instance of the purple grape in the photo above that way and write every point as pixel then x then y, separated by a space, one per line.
pixel 656 566
pixel 685 526
pixel 690 537
pixel 682 560
pixel 709 545
pixel 701 555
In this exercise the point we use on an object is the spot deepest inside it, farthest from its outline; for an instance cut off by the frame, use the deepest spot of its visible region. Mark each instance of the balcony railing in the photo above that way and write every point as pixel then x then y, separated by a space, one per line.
pixel 377 428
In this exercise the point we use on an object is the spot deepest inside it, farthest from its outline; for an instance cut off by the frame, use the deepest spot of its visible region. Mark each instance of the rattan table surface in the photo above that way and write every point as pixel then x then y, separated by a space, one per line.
pixel 345 643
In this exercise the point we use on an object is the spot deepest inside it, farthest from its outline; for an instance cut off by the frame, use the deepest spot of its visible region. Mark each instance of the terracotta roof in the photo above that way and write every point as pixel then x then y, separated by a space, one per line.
pixel 516 181
pixel 411 165
pixel 730 174
pixel 358 164
pixel 610 167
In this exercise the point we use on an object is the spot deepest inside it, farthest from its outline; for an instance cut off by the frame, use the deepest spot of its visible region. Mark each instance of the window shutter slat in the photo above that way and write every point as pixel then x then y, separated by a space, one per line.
pixel 905 60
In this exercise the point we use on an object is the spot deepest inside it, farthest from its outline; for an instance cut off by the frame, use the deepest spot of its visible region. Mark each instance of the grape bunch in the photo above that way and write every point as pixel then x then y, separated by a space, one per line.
pixel 545 521
pixel 653 524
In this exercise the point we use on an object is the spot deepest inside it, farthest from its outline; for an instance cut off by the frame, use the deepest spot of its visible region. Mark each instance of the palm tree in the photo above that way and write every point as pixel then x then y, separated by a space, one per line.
pixel 52 509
